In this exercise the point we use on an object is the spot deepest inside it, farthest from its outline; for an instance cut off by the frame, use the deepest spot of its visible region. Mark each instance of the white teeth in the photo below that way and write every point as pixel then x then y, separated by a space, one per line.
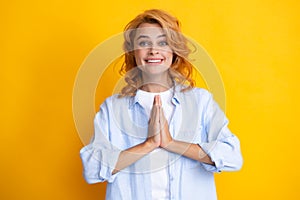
pixel 153 61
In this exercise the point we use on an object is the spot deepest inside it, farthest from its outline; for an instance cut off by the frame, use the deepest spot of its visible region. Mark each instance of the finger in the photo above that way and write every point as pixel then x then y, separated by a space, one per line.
pixel 158 99
pixel 162 117
pixel 154 121
pixel 154 116
pixel 156 113
pixel 153 113
pixel 155 109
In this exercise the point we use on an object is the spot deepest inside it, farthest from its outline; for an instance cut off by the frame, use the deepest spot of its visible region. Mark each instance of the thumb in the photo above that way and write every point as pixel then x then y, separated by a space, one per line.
pixel 157 100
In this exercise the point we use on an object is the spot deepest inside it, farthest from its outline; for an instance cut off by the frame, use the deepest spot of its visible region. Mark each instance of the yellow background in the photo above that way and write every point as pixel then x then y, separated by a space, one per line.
pixel 255 45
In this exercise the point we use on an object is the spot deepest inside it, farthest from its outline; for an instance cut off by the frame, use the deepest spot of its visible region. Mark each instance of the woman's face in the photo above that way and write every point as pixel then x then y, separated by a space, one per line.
pixel 152 53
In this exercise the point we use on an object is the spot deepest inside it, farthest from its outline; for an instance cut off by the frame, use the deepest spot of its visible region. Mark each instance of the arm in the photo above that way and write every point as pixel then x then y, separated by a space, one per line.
pixel 221 151
pixel 101 160
pixel 133 154
pixel 221 145
pixel 100 156
pixel 193 151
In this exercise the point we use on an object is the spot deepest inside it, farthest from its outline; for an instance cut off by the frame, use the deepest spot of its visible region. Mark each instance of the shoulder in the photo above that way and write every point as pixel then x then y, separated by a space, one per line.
pixel 201 92
pixel 195 93
pixel 115 101
pixel 202 96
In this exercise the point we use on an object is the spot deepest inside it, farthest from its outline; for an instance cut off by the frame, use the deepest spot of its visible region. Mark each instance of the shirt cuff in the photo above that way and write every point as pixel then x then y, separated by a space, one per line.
pixel 109 161
pixel 98 164
pixel 208 148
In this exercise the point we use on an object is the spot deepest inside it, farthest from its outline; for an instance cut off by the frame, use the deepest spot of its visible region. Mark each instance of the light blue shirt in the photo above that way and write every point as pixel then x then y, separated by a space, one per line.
pixel 122 123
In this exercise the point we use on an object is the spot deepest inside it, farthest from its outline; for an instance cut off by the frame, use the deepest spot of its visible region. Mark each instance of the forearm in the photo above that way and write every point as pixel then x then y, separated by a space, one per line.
pixel 133 154
pixel 193 151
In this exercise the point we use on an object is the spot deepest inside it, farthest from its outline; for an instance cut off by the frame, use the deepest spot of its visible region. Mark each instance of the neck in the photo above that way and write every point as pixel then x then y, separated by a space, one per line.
pixel 156 83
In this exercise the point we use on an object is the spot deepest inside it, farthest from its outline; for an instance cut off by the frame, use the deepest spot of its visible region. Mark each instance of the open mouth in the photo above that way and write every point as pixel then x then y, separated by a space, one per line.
pixel 154 60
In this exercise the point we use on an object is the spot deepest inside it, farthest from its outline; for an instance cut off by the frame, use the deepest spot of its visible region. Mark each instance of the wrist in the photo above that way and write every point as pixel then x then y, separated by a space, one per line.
pixel 166 145
pixel 151 145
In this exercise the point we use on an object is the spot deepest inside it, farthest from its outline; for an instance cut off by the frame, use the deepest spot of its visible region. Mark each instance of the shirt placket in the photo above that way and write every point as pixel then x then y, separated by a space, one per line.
pixel 174 126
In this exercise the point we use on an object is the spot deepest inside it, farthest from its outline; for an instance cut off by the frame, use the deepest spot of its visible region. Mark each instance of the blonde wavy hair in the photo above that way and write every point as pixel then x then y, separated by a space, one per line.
pixel 180 70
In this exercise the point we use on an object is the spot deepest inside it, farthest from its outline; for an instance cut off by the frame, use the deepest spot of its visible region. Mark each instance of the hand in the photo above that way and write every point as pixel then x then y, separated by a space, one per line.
pixel 165 136
pixel 154 125
pixel 158 129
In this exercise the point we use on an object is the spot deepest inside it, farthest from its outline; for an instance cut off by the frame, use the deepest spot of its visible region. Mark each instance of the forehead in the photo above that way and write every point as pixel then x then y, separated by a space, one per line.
pixel 151 30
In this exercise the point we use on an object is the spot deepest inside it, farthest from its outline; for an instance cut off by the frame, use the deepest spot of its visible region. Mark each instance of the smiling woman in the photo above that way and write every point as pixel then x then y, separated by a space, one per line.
pixel 164 25
pixel 153 55
pixel 160 131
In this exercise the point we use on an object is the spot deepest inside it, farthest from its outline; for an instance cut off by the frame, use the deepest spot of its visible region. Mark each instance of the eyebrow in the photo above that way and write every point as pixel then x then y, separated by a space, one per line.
pixel 145 36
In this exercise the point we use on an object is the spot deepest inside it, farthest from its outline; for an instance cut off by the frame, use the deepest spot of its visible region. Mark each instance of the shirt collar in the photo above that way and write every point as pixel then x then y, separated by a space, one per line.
pixel 175 99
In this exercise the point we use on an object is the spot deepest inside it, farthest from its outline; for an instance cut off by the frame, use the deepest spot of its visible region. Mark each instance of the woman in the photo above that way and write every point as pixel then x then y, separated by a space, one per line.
pixel 160 138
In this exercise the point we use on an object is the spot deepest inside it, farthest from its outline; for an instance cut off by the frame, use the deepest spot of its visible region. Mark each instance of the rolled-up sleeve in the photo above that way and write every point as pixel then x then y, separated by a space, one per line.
pixel 100 157
pixel 221 145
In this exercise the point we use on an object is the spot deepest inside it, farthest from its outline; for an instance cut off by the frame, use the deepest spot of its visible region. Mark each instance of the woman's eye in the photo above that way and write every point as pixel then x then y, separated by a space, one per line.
pixel 163 43
pixel 144 44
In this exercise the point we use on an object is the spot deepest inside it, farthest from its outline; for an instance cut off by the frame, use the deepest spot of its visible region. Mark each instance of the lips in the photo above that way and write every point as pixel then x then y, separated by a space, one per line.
pixel 154 60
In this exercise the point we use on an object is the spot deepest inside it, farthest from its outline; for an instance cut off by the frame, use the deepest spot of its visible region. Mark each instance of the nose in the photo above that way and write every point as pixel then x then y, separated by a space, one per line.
pixel 153 50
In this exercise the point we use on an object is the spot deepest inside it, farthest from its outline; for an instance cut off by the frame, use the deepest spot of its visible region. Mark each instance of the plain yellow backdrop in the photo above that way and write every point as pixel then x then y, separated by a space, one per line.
pixel 255 45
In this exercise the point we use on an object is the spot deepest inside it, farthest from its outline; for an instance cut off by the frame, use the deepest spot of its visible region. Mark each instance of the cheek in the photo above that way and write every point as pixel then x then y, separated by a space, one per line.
pixel 138 54
pixel 170 57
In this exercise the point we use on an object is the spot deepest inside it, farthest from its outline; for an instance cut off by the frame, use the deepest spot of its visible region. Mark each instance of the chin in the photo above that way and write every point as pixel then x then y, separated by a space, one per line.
pixel 154 69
